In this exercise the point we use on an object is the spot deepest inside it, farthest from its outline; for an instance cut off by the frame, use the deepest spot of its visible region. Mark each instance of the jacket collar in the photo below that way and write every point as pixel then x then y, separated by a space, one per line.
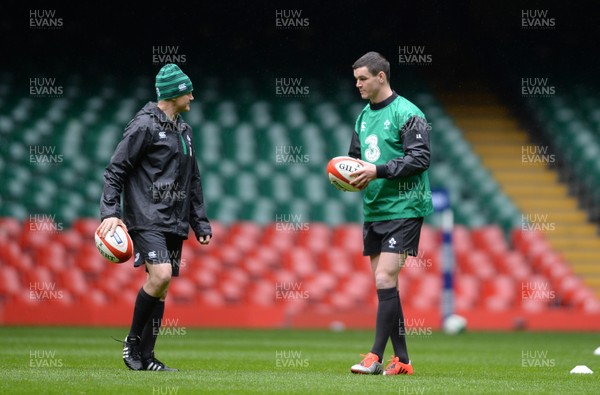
pixel 384 103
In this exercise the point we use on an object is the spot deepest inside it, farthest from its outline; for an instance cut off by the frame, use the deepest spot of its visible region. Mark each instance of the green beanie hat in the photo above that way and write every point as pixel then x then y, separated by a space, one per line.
pixel 172 82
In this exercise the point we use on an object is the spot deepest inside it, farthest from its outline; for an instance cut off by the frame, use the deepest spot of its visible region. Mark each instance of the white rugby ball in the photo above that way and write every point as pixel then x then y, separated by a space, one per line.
pixel 117 248
pixel 454 324
pixel 339 170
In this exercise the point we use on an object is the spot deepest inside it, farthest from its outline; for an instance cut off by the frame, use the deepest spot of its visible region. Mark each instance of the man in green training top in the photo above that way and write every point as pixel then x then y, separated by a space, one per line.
pixel 392 141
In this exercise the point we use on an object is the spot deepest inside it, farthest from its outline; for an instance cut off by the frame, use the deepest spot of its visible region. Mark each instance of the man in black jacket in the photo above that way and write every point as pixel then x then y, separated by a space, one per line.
pixel 155 168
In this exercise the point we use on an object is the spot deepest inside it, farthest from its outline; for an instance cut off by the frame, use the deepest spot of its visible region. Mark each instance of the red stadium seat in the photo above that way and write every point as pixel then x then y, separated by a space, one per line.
pixel 276 239
pixel 53 256
pixel 70 240
pixel 489 238
pixel 300 261
pixel 361 263
pixel 74 281
pixel 38 276
pixel 32 239
pixel 260 261
pixel 182 291
pixel 12 255
pixel 10 283
pixel 500 292
pixel 245 230
pixel 514 264
pixel 478 263
pixel 89 260
pixel 261 293
pixel 211 298
pixel 123 297
pixel 316 239
pixel 229 256
pixel 468 290
pixel 10 227
pixel 204 279
pixel 335 260
pixel 206 262
pixel 94 297
pixel 358 288
pixel 348 237
pixel 232 293
pixel 461 240
pixel 86 227
pixel 342 302
pixel 320 284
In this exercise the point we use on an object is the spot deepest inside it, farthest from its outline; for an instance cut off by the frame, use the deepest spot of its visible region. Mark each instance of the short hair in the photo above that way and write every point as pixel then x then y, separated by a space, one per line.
pixel 375 62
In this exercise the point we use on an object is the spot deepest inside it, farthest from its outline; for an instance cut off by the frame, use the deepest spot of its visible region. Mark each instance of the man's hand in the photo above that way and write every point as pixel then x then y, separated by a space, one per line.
pixel 364 175
pixel 109 225
pixel 204 239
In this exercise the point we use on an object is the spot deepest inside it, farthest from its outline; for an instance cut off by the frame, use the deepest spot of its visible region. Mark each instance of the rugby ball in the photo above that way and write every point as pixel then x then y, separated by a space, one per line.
pixel 454 324
pixel 339 170
pixel 117 248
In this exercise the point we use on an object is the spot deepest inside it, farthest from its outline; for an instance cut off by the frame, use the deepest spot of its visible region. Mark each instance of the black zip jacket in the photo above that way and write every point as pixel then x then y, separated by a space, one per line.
pixel 154 166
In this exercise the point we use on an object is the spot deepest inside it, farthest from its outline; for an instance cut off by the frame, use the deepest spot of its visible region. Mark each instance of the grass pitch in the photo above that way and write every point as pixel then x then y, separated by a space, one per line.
pixel 87 361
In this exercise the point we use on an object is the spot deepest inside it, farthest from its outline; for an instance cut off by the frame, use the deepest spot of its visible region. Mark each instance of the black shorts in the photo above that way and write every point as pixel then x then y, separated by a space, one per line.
pixel 157 247
pixel 396 235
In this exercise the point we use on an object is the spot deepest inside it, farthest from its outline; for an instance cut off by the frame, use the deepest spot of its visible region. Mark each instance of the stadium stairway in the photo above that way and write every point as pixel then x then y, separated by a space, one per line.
pixel 525 173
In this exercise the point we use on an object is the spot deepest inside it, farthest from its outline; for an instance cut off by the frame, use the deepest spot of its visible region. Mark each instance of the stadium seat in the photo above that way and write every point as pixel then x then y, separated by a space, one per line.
pixel 74 281
pixel 261 293
pixel 52 256
pixel 10 226
pixel 182 291
pixel 335 261
pixel 300 261
pixel 86 227
pixel 94 297
pixel 69 239
pixel 10 283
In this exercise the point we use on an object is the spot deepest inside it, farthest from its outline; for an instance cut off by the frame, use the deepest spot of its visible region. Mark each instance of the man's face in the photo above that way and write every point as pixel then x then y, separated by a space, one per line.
pixel 368 84
pixel 182 103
